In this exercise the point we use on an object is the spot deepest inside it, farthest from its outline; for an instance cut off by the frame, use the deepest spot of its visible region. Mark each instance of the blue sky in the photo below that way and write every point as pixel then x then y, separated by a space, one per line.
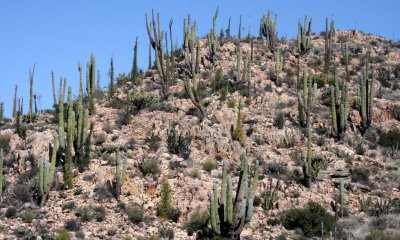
pixel 57 34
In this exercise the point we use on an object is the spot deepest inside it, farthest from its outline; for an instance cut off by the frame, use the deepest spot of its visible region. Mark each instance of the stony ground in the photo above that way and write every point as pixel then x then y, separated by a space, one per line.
pixel 212 139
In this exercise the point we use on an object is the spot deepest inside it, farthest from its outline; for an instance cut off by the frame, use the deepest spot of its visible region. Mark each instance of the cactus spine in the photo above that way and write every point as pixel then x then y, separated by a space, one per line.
pixel 304 36
pixel 228 215
pixel 212 38
pixel 269 30
pixel 339 107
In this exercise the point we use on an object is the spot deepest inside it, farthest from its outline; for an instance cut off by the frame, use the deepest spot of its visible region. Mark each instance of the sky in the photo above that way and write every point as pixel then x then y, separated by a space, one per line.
pixel 55 35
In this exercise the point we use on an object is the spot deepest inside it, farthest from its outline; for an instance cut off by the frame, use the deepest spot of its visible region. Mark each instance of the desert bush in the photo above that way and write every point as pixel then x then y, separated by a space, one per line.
pixel 11 212
pixel 390 138
pixel 5 143
pixel 164 208
pixel 360 147
pixel 309 219
pixel 68 205
pixel 62 235
pixel 149 166
pixel 72 225
pixel 99 213
pixel 198 221
pixel 274 169
pixel 279 120
pixel 178 144
pixel 107 127
pixel 209 165
pixel 27 216
pixel 85 213
pixel 166 233
pixel 360 175
pixel 100 138
pixel 135 213
pixel 153 141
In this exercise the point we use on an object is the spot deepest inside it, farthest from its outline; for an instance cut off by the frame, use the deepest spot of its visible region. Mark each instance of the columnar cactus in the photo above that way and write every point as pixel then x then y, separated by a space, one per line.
pixel 15 109
pixel 70 141
pixel 60 109
pixel 346 56
pixel 367 91
pixel 90 83
pixel 270 195
pixel 1 172
pixel 329 40
pixel 339 107
pixel 212 38
pixel 134 71
pixel 240 29
pixel 228 215
pixel 53 87
pixel 269 30
pixel 341 194
pixel 120 175
pixel 278 65
pixel 304 36
pixel 31 75
pixel 236 71
pixel 192 61
pixel 306 100
pixel 164 69
pixel 228 30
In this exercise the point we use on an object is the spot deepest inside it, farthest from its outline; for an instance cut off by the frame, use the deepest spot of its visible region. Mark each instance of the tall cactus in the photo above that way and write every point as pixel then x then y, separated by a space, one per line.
pixel 120 175
pixel 134 71
pixel 367 90
pixel 278 65
pixel 329 41
pixel 212 38
pixel 269 30
pixel 91 83
pixel 339 107
pixel 31 76
pixel 306 100
pixel 192 61
pixel 164 69
pixel 304 36
pixel 53 87
pixel 228 215
pixel 341 195
pixel 1 172
pixel 111 85
pixel 15 109
pixel 236 71
pixel 69 145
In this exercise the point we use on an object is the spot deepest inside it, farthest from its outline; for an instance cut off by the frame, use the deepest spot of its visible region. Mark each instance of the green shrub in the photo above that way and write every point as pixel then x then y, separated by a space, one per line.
pixel 389 139
pixel 62 235
pixel 209 165
pixel 68 205
pixel 149 166
pixel 85 213
pixel 99 213
pixel 5 143
pixel 309 219
pixel 72 225
pixel 377 234
pixel 279 120
pixel 198 221
pixel 317 163
pixel 164 208
pixel 27 216
pixel 231 103
pixel 360 175
pixel 11 212
pixel 135 213
pixel 178 144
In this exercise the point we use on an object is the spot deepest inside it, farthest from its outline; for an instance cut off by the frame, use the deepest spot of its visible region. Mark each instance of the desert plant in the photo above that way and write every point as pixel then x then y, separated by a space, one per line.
pixel 239 133
pixel 270 195
pixel 209 165
pixel 31 76
pixel 164 208
pixel 329 41
pixel 269 30
pixel 279 120
pixel 228 216
pixel 309 219
pixel 212 38
pixel 135 213
pixel 120 175
pixel 366 98
pixel 27 216
pixel 1 172
pixel 198 221
pixel 303 36
pixel 111 85
pixel 178 144
pixel 278 66
pixel 339 107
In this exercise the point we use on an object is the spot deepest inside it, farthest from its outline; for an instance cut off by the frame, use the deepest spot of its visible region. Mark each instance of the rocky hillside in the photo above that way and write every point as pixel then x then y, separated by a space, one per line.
pixel 170 154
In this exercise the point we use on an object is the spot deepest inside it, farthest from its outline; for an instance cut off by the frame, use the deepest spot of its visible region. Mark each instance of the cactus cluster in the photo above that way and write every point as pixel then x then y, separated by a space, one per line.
pixel 304 36
pixel 165 70
pixel 270 195
pixel 306 100
pixel 366 96
pixel 228 215
pixel 212 38
pixel 329 41
pixel 339 107
pixel 239 134
pixel 269 30
pixel 192 66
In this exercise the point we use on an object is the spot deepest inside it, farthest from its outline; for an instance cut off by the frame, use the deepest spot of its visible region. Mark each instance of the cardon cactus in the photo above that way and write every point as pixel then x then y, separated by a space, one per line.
pixel 339 107
pixel 1 172
pixel 228 215
pixel 304 36
pixel 329 41
pixel 212 38
pixel 120 175
pixel 278 65
pixel 269 30
pixel 306 100
pixel 367 91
